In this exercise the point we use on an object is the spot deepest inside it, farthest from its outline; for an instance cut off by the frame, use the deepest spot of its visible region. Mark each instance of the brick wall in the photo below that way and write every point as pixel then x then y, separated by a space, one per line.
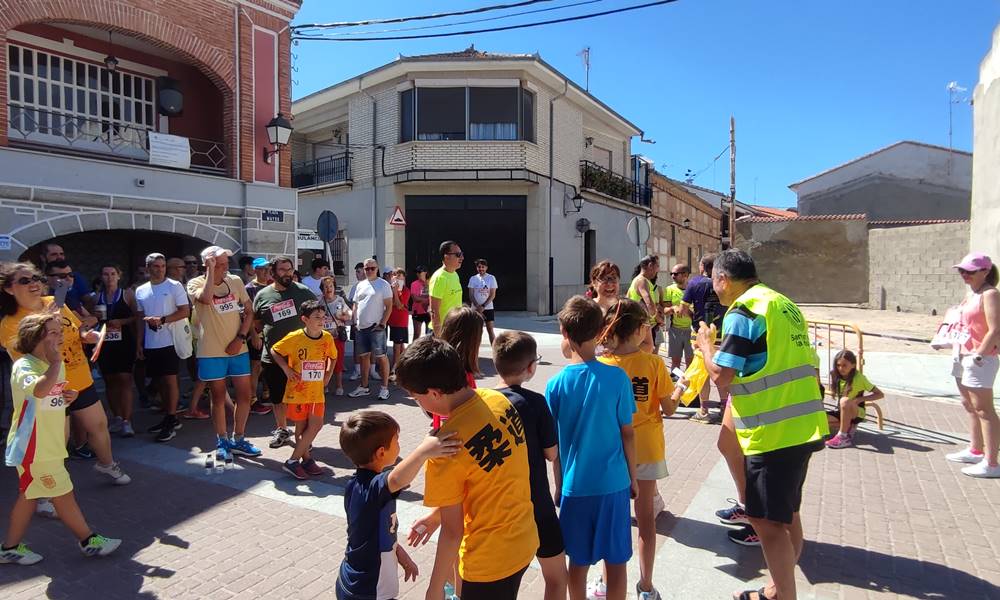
pixel 910 267
pixel 201 33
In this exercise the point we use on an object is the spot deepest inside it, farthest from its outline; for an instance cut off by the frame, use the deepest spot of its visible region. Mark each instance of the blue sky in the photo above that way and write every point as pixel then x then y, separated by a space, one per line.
pixel 812 84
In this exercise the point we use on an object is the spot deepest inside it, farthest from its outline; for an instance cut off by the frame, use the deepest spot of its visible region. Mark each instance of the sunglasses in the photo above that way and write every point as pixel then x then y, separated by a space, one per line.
pixel 677 274
pixel 27 280
pixel 371 268
pixel 967 272
pixel 455 254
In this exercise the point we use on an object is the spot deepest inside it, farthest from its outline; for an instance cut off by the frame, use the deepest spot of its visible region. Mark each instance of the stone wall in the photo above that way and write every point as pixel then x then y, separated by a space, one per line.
pixel 910 267
pixel 810 260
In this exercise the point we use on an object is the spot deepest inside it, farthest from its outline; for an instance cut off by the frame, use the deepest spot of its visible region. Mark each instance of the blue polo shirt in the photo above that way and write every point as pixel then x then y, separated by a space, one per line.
pixel 370 569
pixel 744 342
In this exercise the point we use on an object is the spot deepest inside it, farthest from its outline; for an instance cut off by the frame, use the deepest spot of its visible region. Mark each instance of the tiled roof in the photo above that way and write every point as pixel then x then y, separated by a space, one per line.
pixel 851 217
pixel 770 211
pixel 469 53
pixel 916 221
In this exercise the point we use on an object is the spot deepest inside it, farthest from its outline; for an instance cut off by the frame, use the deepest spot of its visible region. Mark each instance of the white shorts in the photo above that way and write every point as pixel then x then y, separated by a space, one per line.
pixel 651 471
pixel 976 375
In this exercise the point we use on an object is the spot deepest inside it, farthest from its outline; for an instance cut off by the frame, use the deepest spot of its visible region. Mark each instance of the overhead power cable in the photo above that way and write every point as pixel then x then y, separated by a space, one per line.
pixel 455 23
pixel 489 30
pixel 470 11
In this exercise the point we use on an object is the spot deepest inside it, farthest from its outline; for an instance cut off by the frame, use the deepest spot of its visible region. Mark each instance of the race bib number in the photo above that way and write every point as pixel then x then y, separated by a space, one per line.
pixel 227 304
pixel 113 336
pixel 950 332
pixel 55 400
pixel 283 310
pixel 313 370
pixel 329 324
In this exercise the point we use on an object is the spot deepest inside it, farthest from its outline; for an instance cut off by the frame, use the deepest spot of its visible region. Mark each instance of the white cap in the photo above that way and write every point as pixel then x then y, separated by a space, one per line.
pixel 213 251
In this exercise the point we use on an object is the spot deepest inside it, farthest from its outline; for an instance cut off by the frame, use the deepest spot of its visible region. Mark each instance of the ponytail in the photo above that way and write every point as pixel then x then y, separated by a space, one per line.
pixel 993 277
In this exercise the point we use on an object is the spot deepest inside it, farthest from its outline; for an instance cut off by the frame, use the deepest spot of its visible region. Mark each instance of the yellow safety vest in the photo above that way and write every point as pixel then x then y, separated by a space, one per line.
pixel 780 405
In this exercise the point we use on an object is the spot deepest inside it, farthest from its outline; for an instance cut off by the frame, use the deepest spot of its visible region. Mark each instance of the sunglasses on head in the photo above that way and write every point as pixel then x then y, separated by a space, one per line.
pixel 27 280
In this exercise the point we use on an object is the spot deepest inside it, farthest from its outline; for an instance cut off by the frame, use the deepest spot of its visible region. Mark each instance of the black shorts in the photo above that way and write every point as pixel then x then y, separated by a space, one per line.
pixel 424 318
pixel 550 539
pixel 775 480
pixel 352 333
pixel 161 362
pixel 835 413
pixel 275 379
pixel 86 398
pixel 254 353
pixel 489 315
pixel 504 589
pixel 399 335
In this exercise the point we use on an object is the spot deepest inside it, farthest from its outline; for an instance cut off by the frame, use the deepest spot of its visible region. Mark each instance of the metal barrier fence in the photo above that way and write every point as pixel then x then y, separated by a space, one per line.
pixel 829 338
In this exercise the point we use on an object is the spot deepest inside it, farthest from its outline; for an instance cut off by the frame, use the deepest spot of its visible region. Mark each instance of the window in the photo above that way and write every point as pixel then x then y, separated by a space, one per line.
pixel 690 264
pixel 459 113
pixel 589 253
pixel 71 101
pixel 673 241
pixel 441 114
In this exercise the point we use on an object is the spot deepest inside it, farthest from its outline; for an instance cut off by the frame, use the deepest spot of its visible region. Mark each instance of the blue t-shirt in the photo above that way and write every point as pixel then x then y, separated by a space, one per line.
pixel 744 342
pixel 705 305
pixel 369 570
pixel 590 403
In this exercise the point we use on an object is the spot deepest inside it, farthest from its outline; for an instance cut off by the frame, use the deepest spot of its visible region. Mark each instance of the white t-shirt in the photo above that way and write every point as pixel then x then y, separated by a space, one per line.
pixel 160 300
pixel 481 286
pixel 369 296
pixel 313 284
pixel 338 304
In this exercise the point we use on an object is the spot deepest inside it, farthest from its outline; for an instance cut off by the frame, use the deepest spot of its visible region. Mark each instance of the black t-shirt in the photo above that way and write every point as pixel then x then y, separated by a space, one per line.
pixel 540 432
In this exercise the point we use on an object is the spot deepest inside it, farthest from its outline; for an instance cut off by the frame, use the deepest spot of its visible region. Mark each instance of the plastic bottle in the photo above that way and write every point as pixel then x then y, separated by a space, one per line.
pixel 209 463
pixel 449 591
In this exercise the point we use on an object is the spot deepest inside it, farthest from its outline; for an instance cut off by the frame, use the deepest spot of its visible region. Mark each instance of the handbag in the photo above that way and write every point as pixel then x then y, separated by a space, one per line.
pixel 181 330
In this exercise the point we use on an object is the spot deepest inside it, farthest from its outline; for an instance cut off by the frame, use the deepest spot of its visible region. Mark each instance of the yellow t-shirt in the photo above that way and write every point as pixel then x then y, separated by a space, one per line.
pixel 307 357
pixel 38 425
pixel 489 477
pixel 650 382
pixel 77 368
pixel 859 386
pixel 447 288
pixel 218 324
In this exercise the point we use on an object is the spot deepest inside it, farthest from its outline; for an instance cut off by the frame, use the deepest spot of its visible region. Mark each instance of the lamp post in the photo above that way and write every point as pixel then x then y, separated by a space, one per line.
pixel 577 201
pixel 278 132
pixel 110 62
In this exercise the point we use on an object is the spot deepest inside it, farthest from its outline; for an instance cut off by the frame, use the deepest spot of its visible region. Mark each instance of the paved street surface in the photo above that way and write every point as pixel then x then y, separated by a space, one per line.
pixel 890 518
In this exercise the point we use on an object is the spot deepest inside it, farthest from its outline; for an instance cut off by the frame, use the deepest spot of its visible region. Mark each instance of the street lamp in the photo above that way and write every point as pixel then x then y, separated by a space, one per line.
pixel 110 62
pixel 278 132
pixel 686 223
pixel 577 201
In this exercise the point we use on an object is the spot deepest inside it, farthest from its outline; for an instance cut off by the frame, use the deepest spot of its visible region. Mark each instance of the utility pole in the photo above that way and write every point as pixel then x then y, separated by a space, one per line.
pixel 585 55
pixel 732 181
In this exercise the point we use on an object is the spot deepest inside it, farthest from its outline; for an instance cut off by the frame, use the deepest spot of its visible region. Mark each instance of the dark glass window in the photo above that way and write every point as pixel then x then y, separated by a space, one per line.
pixel 406 116
pixel 441 114
pixel 527 115
pixel 493 113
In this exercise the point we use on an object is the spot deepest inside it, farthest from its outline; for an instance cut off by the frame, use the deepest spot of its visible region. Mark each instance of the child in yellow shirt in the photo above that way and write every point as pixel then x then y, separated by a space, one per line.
pixel 307 357
pixel 625 328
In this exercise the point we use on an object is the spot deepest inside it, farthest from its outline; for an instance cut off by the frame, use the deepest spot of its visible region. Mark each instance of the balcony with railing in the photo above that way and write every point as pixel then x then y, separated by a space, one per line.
pixel 70 133
pixel 325 171
pixel 602 180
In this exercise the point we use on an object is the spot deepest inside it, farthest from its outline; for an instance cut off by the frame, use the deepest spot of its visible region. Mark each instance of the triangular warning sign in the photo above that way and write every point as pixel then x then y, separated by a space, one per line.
pixel 397 217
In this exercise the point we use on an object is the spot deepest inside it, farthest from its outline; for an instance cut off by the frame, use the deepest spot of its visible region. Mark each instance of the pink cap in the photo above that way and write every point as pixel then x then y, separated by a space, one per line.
pixel 975 261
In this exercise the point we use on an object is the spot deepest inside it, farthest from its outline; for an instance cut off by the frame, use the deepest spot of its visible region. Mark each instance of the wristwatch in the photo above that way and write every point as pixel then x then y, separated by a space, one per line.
pixel 242 336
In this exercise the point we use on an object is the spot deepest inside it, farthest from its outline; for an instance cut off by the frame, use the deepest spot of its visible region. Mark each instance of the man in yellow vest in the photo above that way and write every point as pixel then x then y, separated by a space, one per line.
pixel 769 366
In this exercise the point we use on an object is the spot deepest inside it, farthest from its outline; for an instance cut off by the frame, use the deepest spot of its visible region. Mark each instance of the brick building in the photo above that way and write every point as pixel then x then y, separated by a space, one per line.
pixel 128 127
pixel 683 228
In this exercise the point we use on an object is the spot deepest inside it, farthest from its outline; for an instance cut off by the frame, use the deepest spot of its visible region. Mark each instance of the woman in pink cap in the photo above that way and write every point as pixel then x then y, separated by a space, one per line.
pixel 976 363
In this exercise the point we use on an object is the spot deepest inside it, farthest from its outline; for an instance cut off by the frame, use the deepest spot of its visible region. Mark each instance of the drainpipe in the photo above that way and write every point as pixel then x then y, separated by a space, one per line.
pixel 552 174
pixel 374 174
pixel 236 135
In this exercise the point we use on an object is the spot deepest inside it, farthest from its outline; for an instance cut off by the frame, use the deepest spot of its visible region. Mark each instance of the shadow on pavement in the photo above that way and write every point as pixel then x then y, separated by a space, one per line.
pixel 744 563
pixel 887 443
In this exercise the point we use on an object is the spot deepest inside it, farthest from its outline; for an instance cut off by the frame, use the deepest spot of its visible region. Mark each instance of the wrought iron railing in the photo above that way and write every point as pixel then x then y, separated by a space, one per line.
pixel 595 177
pixel 322 171
pixel 92 136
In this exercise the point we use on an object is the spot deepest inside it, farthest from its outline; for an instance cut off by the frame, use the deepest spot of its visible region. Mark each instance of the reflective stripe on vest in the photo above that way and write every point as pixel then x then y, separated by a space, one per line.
pixel 776 416
pixel 772 381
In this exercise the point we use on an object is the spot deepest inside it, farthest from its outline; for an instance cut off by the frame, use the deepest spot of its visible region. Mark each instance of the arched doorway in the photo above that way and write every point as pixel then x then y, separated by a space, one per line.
pixel 88 251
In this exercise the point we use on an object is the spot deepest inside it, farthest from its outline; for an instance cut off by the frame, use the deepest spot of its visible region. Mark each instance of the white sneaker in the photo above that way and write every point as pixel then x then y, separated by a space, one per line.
pixel 359 392
pixel 127 430
pixel 650 595
pixel 339 392
pixel 982 469
pixel 115 425
pixel 19 555
pixel 658 506
pixel 45 508
pixel 356 375
pixel 375 375
pixel 596 590
pixel 118 477
pixel 98 545
pixel 383 394
pixel 965 456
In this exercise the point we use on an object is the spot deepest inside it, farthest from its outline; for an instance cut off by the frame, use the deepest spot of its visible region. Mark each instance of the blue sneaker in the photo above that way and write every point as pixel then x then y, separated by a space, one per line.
pixel 222 452
pixel 243 447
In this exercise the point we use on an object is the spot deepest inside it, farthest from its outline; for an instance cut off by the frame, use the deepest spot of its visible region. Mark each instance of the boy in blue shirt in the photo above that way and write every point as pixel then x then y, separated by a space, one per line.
pixel 370 439
pixel 592 404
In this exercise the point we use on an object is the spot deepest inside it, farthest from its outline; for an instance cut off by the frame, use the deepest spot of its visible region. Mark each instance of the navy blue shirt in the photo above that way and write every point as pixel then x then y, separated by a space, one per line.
pixel 705 305
pixel 540 433
pixel 370 569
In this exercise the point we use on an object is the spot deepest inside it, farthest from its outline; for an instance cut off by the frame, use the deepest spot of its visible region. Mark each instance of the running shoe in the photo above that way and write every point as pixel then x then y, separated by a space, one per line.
pixel 982 470
pixel 359 392
pixel 734 515
pixel 658 505
pixel 374 374
pixel 98 545
pixel 82 452
pixel 260 409
pixel 356 375
pixel 339 392
pixel 596 590
pixel 312 468
pixel 198 416
pixel 171 419
pixel 279 437
pixel 650 595
pixel 700 417
pixel 383 394
pixel 966 455
pixel 169 430
pixel 841 440
pixel 118 477
pixel 115 425
pixel 127 430
pixel 19 555
pixel 221 451
pixel 243 447
pixel 744 537
pixel 294 468
pixel 45 508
